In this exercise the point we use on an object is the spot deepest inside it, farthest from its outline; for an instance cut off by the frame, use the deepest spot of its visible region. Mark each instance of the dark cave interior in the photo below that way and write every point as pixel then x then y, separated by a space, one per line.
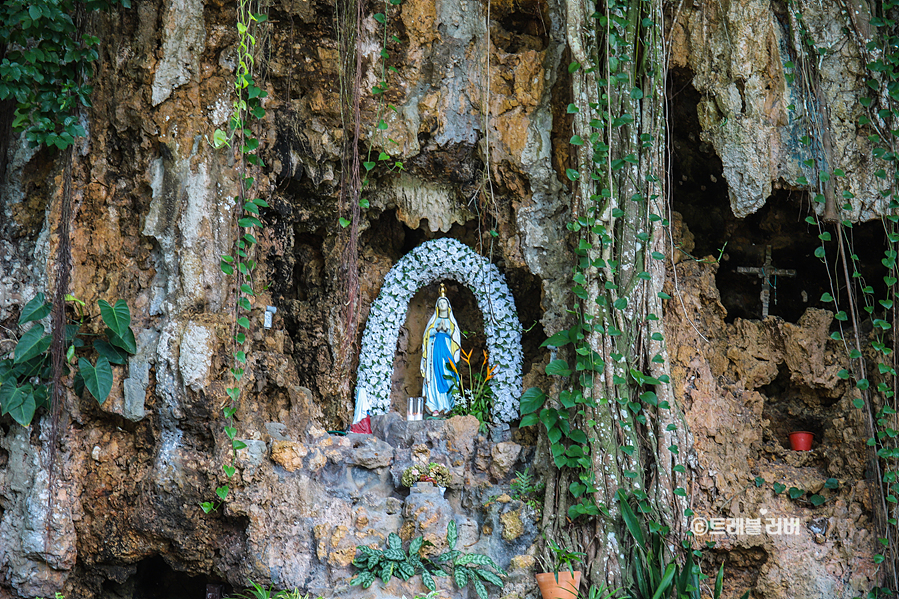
pixel 700 195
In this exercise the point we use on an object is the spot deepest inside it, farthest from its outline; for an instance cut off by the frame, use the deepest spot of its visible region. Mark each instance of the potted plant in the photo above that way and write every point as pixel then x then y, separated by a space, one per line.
pixel 434 473
pixel 560 580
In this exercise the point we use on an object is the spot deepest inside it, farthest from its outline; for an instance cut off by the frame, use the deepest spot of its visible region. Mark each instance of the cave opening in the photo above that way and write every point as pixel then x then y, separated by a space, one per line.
pixel 154 578
pixel 742 246
pixel 790 407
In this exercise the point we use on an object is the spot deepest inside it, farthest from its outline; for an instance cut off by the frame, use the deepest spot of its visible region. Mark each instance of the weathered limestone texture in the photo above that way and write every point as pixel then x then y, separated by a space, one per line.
pixel 744 387
pixel 316 499
pixel 737 52
pixel 481 129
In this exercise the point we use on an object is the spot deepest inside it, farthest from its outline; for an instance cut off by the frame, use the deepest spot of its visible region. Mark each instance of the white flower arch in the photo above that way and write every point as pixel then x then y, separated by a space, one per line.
pixel 428 263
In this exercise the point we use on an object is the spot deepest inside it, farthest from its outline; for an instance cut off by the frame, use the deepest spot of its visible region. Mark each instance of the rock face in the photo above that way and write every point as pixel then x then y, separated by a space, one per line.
pixel 755 111
pixel 745 386
pixel 479 124
pixel 316 499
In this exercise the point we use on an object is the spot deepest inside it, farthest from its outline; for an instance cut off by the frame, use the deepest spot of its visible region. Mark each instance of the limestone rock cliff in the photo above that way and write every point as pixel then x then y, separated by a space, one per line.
pixel 481 128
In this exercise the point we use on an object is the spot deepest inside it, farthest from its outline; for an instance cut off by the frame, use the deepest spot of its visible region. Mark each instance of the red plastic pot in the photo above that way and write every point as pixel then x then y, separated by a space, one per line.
pixel 801 440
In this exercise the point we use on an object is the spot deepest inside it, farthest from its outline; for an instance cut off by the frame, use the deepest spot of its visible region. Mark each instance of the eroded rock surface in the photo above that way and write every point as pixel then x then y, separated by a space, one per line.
pixel 745 386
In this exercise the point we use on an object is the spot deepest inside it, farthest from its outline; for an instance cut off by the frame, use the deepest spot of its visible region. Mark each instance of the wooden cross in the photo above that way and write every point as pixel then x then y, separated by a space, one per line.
pixel 766 273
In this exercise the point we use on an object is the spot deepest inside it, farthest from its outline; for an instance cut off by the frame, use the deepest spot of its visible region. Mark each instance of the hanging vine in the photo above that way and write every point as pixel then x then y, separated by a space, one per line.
pixel 612 432
pixel 247 105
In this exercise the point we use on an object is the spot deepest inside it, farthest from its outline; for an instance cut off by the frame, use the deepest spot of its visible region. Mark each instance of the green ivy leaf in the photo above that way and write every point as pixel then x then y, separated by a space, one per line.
pixel 558 367
pixel 36 309
pixel 532 400
pixel 117 317
pixel 18 402
pixel 126 342
pixel 109 352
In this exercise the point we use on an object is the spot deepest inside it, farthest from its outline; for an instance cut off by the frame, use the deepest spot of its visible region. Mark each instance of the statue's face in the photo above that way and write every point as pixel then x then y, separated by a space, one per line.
pixel 443 307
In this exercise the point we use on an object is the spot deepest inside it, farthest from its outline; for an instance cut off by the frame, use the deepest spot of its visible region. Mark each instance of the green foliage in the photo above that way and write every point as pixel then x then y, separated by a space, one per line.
pixel 247 106
pixel 528 491
pixel 474 398
pixel 257 591
pixel 46 65
pixel 388 562
pixel 26 371
pixel 560 558
pixel 464 568
pixel 432 473
pixel 656 572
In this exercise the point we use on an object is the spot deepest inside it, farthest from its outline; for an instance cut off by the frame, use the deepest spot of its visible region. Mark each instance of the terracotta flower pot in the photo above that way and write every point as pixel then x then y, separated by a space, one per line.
pixel 565 588
pixel 801 440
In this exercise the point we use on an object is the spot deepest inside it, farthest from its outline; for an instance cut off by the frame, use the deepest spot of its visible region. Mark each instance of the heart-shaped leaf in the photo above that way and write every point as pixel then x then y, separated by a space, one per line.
pixel 36 309
pixel 97 379
pixel 113 354
pixel 32 343
pixel 126 342
pixel 117 317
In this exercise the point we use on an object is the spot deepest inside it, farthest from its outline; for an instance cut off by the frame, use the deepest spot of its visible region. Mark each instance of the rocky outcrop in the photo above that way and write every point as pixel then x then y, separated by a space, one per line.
pixel 480 127
pixel 755 111
pixel 744 387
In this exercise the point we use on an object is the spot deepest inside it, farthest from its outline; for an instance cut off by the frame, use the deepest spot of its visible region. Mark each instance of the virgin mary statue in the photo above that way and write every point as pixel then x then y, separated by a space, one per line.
pixel 440 348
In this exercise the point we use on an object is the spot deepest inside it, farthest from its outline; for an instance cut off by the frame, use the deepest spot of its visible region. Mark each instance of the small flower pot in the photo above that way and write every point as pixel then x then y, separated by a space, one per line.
pixel 564 588
pixel 801 440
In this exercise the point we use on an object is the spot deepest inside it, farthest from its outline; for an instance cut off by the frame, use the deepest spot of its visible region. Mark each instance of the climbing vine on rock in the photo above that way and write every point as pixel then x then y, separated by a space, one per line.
pixel 872 361
pixel 45 67
pixel 238 135
pixel 611 430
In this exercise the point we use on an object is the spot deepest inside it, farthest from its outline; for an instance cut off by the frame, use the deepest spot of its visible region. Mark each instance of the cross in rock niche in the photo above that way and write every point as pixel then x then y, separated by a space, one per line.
pixel 766 273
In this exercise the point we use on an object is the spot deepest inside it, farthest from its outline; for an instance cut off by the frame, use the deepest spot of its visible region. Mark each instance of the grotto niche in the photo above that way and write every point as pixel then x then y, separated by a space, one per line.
pixel 428 263
pixel 739 247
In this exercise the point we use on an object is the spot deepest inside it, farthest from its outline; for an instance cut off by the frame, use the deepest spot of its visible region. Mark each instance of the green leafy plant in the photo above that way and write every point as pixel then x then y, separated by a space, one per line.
pixel 389 562
pixel 257 591
pixel 26 369
pixel 432 473
pixel 656 571
pixel 527 490
pixel 465 568
pixel 241 265
pixel 475 398
pixel 558 558
pixel 45 66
